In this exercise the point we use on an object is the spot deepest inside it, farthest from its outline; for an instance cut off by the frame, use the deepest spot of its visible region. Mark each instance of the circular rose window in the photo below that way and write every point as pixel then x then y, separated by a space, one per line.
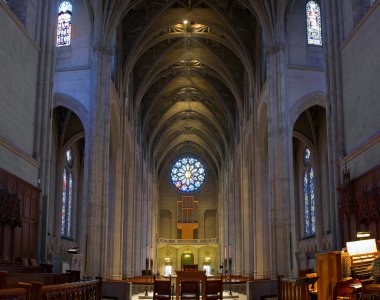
pixel 187 174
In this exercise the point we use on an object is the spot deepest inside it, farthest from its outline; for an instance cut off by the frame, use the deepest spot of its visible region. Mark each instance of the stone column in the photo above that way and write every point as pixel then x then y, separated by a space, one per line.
pixel 44 103
pixel 129 200
pixel 278 135
pixel 246 209
pixel 260 202
pixel 116 208
pixel 334 110
pixel 237 247
pixel 97 163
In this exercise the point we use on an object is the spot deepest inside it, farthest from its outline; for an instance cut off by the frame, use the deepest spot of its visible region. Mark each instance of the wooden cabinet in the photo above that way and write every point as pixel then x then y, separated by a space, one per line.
pixel 329 270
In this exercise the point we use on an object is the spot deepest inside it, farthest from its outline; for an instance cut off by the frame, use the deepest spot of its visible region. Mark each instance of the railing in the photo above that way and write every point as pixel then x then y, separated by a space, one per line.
pixel 89 290
pixel 76 290
pixel 186 242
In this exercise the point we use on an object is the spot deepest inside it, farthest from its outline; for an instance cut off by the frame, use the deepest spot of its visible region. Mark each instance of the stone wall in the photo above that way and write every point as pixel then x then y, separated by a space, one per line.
pixel 18 73
pixel 72 77
pixel 361 90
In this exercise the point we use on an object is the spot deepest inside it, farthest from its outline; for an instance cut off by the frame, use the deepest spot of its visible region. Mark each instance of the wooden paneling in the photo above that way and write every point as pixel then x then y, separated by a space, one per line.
pixel 359 205
pixel 19 203
pixel 288 290
pixel 329 271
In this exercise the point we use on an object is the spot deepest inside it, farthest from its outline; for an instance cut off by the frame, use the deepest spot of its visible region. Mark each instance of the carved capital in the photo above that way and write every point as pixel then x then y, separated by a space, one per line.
pixel 103 49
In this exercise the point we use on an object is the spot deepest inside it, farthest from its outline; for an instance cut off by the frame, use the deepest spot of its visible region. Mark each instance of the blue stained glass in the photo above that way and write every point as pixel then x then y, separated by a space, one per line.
pixel 64 24
pixel 185 174
pixel 308 194
pixel 306 156
pixel 313 23
pixel 65 6
pixel 312 204
pixel 69 205
pixel 306 200
pixel 63 211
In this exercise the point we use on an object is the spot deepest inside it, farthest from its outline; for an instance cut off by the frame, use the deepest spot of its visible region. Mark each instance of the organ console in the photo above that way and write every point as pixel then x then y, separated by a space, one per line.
pixel 342 275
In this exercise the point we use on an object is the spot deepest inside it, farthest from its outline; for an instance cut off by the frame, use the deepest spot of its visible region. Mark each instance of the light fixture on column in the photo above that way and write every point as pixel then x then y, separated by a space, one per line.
pixel 363 234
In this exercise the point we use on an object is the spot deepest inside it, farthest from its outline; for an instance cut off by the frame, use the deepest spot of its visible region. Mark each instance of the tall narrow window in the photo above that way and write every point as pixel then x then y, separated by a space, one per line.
pixel 308 194
pixel 64 24
pixel 313 23
pixel 67 195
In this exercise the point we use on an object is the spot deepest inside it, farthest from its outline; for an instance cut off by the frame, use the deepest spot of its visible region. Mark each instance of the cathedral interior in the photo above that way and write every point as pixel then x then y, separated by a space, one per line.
pixel 138 137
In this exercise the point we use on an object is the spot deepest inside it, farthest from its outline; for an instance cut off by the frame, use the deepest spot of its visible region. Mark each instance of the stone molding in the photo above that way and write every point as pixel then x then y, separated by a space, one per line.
pixel 372 141
pixel 359 25
pixel 18 152
pixel 19 24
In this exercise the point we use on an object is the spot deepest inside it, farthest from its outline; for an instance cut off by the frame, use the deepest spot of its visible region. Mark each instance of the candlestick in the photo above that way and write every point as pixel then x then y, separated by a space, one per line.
pixel 225 252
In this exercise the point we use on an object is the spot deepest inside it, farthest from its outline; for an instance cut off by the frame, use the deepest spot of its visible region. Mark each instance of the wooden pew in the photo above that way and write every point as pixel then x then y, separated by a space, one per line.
pixel 19 268
pixel 75 290
pixel 11 280
pixel 89 290
pixel 3 279
pixel 13 294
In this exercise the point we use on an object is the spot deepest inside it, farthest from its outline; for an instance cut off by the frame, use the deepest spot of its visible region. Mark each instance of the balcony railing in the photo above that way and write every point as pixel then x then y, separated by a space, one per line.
pixel 186 242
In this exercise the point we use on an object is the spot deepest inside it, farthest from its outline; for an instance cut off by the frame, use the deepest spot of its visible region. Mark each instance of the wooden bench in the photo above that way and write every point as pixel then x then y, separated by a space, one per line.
pixel 74 290
pixel 11 280
pixel 90 290
pixel 13 294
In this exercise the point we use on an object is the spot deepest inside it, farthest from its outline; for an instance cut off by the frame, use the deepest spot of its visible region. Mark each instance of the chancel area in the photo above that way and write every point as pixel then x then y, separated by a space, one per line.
pixel 189 149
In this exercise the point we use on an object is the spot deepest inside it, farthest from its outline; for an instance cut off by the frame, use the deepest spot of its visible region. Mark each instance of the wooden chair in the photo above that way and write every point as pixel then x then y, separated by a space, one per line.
pixel 371 291
pixel 192 276
pixel 162 288
pixel 343 290
pixel 190 289
pixel 214 289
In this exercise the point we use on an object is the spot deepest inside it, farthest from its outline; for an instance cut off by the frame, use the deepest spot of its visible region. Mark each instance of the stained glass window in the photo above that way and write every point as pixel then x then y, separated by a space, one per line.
pixel 64 202
pixel 187 174
pixel 308 194
pixel 67 195
pixel 64 24
pixel 69 157
pixel 313 23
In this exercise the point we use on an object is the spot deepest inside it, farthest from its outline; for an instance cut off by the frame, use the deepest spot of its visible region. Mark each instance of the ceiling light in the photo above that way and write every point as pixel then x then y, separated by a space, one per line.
pixel 185 22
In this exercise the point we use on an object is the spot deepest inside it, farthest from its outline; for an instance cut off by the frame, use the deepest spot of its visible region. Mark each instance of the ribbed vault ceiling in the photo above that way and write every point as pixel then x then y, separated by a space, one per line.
pixel 188 79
